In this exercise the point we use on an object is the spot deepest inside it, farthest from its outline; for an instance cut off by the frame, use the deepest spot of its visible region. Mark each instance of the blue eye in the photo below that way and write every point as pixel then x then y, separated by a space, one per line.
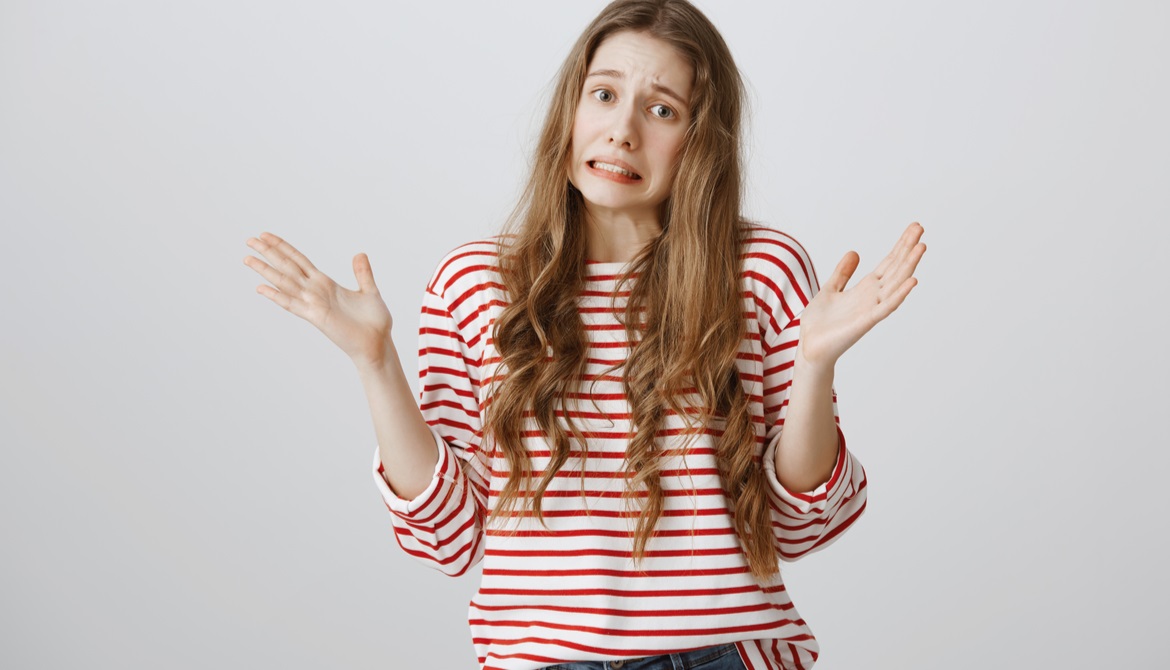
pixel 670 112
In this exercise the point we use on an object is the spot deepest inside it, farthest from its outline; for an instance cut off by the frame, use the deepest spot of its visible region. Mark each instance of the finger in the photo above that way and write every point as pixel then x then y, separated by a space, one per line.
pixel 906 266
pixel 291 252
pixel 843 272
pixel 364 273
pixel 279 262
pixel 909 239
pixel 289 303
pixel 269 246
pixel 275 277
pixel 884 266
pixel 892 303
pixel 906 241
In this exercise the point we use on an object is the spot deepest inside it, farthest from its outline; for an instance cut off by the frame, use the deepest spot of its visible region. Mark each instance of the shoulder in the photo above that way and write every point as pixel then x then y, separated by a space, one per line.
pixel 774 257
pixel 467 266
pixel 779 273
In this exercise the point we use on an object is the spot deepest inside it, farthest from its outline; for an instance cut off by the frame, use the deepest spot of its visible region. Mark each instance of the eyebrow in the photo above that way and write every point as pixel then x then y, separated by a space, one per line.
pixel 618 74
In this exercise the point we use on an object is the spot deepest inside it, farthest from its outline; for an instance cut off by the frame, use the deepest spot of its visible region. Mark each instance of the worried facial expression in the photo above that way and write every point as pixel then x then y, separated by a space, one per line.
pixel 630 124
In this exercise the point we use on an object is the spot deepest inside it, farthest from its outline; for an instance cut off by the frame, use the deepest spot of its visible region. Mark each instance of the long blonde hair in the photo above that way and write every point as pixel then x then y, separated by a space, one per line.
pixel 685 311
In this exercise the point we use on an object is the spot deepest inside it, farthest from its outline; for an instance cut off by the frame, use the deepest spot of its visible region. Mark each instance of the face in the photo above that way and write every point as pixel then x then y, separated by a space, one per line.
pixel 630 125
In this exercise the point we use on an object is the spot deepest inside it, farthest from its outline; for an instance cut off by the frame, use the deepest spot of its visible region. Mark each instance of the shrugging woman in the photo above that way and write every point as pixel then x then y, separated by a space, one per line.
pixel 626 408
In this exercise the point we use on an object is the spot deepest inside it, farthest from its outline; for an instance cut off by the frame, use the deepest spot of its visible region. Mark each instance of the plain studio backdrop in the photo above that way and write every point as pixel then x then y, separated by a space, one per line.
pixel 186 475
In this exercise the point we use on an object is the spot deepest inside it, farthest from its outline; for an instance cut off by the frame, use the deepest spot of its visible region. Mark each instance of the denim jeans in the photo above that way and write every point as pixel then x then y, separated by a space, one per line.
pixel 718 657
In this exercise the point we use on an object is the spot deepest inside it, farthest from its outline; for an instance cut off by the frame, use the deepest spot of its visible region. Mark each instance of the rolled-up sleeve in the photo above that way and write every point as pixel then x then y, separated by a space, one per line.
pixel 443 525
pixel 803 521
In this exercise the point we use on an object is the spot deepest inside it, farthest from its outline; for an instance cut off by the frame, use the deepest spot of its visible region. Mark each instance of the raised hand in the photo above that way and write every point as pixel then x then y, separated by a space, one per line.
pixel 836 318
pixel 357 321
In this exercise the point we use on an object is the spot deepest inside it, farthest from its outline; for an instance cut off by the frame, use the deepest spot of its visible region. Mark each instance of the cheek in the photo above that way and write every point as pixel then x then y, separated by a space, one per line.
pixel 578 144
pixel 583 131
pixel 670 153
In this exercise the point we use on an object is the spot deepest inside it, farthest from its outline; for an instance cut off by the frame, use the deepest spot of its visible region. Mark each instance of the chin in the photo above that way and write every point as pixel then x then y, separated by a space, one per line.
pixel 608 202
pixel 602 197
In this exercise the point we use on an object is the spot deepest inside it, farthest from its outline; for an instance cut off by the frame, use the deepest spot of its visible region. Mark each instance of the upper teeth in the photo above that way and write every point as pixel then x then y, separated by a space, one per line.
pixel 612 168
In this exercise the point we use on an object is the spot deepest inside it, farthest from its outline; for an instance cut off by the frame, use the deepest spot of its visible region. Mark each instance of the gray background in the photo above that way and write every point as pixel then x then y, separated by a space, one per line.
pixel 186 467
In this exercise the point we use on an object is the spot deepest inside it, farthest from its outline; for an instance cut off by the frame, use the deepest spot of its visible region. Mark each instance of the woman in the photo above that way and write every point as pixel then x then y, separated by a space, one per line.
pixel 626 406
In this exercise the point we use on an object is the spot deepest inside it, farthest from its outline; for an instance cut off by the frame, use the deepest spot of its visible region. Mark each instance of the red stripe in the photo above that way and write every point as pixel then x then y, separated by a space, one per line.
pixel 741 647
pixel 617 632
pixel 666 493
pixel 765 654
pixel 795 655
pixel 471 249
pixel 776 655
pixel 623 593
pixel 774 322
pixel 666 453
pixel 629 574
pixel 473 292
pixel 608 611
pixel 471 413
pixel 650 553
pixel 576 474
pixel 625 435
pixel 597 532
pixel 445 388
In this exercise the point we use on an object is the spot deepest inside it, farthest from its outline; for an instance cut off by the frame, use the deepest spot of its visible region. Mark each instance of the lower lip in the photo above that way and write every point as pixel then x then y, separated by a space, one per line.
pixel 612 176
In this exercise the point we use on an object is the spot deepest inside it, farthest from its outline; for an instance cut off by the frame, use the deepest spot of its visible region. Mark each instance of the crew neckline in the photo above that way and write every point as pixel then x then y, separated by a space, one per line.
pixel 593 267
pixel 593 262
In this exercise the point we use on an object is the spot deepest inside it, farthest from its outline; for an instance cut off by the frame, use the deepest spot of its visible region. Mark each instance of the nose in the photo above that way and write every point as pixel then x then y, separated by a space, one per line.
pixel 624 131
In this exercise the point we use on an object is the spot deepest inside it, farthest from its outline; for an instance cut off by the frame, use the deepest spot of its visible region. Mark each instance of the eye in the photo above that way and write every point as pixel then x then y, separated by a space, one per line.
pixel 602 91
pixel 669 112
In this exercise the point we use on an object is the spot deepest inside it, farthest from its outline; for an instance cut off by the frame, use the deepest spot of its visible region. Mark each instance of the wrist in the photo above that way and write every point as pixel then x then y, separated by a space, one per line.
pixel 378 364
pixel 812 369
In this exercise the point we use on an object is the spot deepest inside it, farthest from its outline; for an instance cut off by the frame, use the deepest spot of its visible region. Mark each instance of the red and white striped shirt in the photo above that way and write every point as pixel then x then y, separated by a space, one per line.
pixel 572 592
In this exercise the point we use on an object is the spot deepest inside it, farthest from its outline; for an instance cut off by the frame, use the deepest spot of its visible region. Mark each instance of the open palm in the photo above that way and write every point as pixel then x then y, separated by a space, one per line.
pixel 357 321
pixel 836 318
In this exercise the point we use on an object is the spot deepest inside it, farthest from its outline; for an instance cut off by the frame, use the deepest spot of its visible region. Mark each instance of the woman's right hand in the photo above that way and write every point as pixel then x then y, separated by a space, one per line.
pixel 357 321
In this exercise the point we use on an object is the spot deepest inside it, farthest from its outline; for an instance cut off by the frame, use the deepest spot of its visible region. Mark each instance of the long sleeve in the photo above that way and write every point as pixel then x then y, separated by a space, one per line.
pixel 808 521
pixel 443 525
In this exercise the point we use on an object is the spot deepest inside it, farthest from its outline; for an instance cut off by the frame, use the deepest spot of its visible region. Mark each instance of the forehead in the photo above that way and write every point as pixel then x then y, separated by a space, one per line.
pixel 644 59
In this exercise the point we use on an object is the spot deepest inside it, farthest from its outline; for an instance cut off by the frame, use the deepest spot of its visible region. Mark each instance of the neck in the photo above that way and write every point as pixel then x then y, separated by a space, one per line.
pixel 618 236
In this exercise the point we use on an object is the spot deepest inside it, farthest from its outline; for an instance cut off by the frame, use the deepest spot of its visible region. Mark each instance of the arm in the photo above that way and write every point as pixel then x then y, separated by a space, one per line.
pixel 420 449
pixel 823 325
pixel 817 488
pixel 437 493
pixel 404 438
pixel 810 508
pixel 808 445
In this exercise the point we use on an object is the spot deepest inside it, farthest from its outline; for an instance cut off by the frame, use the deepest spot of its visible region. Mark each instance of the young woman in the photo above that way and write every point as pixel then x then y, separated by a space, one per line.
pixel 626 408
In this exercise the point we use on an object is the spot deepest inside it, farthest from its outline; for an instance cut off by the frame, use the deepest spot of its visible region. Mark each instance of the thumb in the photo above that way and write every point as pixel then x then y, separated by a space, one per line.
pixel 844 270
pixel 364 273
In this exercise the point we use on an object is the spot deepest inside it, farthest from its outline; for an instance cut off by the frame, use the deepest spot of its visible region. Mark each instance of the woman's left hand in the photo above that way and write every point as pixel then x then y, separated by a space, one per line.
pixel 835 319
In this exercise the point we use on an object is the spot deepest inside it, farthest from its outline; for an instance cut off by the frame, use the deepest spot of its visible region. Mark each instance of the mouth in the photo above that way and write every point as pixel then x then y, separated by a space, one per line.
pixel 615 170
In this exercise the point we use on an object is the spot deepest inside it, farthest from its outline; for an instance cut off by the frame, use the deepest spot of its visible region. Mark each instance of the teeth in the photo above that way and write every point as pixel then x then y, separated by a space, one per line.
pixel 612 168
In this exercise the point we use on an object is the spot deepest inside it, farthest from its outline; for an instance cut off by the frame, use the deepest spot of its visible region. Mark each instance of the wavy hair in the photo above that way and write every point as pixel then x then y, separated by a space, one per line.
pixel 684 316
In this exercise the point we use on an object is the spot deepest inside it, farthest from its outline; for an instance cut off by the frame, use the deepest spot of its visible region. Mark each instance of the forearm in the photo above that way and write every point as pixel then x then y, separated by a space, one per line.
pixel 808 444
pixel 405 443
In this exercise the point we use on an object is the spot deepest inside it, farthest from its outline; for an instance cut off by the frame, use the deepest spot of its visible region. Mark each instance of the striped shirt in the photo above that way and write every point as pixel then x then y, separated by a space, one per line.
pixel 572 592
